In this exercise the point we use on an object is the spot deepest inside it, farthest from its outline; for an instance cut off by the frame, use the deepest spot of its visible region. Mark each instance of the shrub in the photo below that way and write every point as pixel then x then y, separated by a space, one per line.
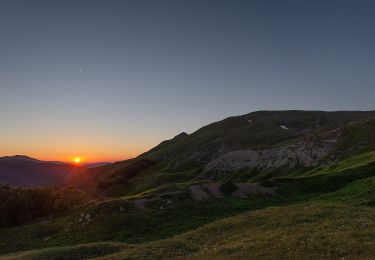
pixel 228 187
pixel 20 205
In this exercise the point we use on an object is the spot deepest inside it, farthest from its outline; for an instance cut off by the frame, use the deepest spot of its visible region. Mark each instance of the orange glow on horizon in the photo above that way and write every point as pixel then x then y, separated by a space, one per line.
pixel 91 145
pixel 61 157
pixel 86 153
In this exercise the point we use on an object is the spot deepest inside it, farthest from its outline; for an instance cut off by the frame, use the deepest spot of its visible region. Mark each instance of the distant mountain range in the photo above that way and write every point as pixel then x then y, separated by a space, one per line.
pixel 20 170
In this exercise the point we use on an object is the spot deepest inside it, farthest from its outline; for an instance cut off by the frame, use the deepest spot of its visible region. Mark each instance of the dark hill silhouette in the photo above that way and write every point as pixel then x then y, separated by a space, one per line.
pixel 20 170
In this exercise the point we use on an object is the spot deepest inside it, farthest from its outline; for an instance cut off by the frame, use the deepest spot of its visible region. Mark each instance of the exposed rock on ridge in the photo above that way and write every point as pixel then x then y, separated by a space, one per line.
pixel 302 153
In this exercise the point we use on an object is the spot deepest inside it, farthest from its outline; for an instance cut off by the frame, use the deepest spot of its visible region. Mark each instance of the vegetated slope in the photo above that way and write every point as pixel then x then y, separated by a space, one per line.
pixel 252 147
pixel 308 231
pixel 257 131
pixel 325 212
pixel 22 205
pixel 25 171
pixel 314 199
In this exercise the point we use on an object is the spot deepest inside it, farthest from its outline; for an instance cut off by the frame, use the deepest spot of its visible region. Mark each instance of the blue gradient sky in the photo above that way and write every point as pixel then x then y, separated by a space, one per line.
pixel 107 80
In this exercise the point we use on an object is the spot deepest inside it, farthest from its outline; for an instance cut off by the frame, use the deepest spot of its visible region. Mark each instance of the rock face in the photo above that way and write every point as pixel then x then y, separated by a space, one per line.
pixel 302 153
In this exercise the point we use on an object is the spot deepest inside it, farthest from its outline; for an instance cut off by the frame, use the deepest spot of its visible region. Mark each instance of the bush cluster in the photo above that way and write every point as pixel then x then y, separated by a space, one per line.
pixel 20 205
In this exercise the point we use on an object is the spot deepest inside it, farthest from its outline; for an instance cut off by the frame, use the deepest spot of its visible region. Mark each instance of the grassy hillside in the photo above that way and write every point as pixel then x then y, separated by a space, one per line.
pixel 184 158
pixel 311 231
pixel 255 130
pixel 329 197
pixel 164 204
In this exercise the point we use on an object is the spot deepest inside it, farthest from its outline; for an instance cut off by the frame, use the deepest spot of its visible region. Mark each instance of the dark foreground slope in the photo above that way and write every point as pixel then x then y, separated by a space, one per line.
pixel 310 231
pixel 314 199
pixel 326 213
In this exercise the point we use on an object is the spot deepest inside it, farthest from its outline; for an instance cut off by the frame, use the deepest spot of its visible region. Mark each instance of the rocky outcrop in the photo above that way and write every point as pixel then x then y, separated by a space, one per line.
pixel 306 154
pixel 211 190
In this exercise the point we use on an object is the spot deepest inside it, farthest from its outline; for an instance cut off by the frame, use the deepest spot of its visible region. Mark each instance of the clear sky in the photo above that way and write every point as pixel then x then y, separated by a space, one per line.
pixel 107 80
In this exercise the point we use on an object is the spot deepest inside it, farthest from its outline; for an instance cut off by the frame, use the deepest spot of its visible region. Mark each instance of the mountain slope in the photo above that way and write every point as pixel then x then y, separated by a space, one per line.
pixel 305 188
pixel 252 147
pixel 329 210
pixel 258 131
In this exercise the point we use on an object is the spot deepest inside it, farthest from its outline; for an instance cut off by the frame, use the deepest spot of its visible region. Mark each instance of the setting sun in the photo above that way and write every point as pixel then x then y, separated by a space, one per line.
pixel 77 160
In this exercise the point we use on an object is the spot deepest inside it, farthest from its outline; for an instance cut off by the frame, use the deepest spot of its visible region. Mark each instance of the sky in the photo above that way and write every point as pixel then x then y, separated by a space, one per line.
pixel 107 80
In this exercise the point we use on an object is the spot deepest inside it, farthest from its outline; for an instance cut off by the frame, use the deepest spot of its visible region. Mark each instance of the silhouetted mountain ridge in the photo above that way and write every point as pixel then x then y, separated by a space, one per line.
pixel 21 170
